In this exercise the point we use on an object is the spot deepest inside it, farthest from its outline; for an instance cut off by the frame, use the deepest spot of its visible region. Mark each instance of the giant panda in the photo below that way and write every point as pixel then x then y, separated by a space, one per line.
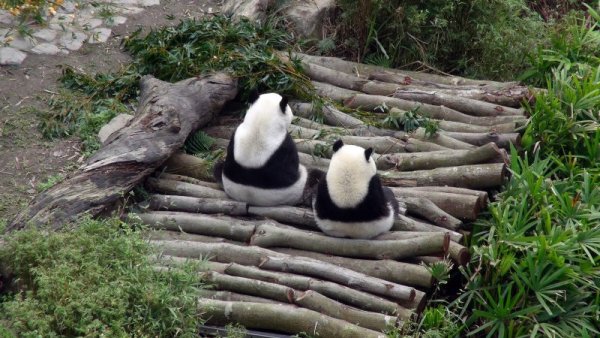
pixel 350 201
pixel 262 165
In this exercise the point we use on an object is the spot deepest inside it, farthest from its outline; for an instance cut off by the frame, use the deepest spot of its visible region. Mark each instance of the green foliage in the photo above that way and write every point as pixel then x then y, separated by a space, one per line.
pixel 198 142
pixel 476 37
pixel 95 280
pixel 408 120
pixel 49 183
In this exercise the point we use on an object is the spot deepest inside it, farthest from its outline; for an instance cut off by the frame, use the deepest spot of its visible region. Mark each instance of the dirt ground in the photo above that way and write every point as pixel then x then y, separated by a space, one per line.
pixel 26 158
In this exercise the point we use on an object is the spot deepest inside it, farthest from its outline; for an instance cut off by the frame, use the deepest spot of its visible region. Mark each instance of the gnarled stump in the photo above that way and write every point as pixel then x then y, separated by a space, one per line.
pixel 166 115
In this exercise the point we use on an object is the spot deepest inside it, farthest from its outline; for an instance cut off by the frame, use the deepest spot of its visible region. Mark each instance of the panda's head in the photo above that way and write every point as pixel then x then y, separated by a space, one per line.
pixel 270 111
pixel 349 175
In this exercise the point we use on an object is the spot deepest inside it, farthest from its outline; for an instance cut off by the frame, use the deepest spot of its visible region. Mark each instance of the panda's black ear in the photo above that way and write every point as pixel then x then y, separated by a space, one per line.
pixel 283 103
pixel 337 145
pixel 253 96
pixel 368 153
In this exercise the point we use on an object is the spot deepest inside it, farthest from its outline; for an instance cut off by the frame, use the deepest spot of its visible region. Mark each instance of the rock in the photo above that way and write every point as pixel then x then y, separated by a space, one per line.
pixel 67 7
pixel 45 34
pixel 116 20
pixel 23 44
pixel 148 3
pixel 99 35
pixel 115 124
pixel 5 17
pixel 255 10
pixel 130 10
pixel 307 16
pixel 89 23
pixel 11 56
pixel 73 40
pixel 46 48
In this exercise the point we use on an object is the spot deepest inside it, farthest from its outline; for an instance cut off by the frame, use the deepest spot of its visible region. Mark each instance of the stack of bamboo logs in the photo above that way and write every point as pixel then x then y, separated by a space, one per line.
pixel 271 268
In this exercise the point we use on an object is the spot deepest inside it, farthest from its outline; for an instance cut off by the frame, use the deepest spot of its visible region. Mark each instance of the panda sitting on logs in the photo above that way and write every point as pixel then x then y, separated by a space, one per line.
pixel 262 166
pixel 350 201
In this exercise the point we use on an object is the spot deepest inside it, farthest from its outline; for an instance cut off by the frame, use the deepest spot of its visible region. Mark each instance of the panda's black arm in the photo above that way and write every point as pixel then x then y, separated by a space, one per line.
pixel 389 195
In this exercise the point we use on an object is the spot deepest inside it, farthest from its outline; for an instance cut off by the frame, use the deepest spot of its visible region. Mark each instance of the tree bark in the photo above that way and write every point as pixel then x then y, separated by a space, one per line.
pixel 286 214
pixel 462 206
pixel 332 92
pixel 331 115
pixel 187 179
pixel 370 102
pixel 478 139
pixel 441 158
pixel 481 195
pixel 198 205
pixel 405 223
pixel 390 270
pixel 431 212
pixel 233 297
pixel 466 105
pixel 167 112
pixel 170 235
pixel 440 139
pixel 183 189
pixel 267 236
pixel 481 176
pixel 459 253
pixel 286 318
pixel 414 145
pixel 249 286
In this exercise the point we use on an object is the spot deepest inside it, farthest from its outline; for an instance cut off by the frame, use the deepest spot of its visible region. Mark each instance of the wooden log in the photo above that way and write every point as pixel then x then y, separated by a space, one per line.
pixel 233 297
pixel 478 139
pixel 441 158
pixel 187 179
pixel 466 105
pixel 170 235
pixel 188 165
pixel 222 131
pixel 286 318
pixel 334 93
pixel 481 176
pixel 370 102
pixel 166 115
pixel 510 96
pixel 249 286
pixel 405 223
pixel 428 210
pixel 310 124
pixel 330 115
pixel 225 252
pixel 390 270
pixel 221 226
pixel 441 139
pixel 380 144
pixel 271 236
pixel 461 206
pixel 481 195
pixel 414 145
pixel 197 205
pixel 312 161
pixel 459 253
pixel 286 214
pixel 183 189
pixel 335 291
pixel 306 133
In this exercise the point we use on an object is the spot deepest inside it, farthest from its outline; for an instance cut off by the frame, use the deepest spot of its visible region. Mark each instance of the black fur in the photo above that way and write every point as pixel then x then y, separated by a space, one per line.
pixel 389 195
pixel 281 169
pixel 372 207
pixel 337 145
pixel 368 153
pixel 283 103
pixel 253 96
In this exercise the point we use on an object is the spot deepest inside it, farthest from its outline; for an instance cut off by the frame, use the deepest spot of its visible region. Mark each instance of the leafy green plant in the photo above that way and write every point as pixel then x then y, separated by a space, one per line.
pixel 49 183
pixel 198 142
pixel 95 280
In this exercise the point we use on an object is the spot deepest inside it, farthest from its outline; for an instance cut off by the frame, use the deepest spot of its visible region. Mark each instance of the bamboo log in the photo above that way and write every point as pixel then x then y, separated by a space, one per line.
pixel 271 236
pixel 221 226
pixel 481 195
pixel 405 223
pixel 233 297
pixel 480 176
pixel 188 165
pixel 390 270
pixel 461 206
pixel 462 104
pixel 440 158
pixel 440 139
pixel 335 291
pixel 277 317
pixel 478 139
pixel 183 189
pixel 370 102
pixel 198 205
pixel 510 96
pixel 428 210
pixel 459 253
pixel 187 179
pixel 228 253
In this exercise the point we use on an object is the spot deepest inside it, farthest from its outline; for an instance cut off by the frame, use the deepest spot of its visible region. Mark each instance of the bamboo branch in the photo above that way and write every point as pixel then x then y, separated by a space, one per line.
pixel 405 223
pixel 478 139
pixel 272 236
pixel 428 210
pixel 183 189
pixel 277 317
pixel 390 270
pixel 440 158
pixel 480 176
pixel 462 104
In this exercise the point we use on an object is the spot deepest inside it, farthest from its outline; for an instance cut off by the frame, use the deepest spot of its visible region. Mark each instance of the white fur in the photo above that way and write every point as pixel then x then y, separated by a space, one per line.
pixel 360 230
pixel 262 132
pixel 349 176
pixel 267 197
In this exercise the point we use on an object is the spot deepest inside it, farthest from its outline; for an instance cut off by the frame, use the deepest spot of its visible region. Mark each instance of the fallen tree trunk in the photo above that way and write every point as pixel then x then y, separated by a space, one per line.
pixel 462 206
pixel 330 115
pixel 187 179
pixel 481 176
pixel 462 104
pixel 177 235
pixel 183 189
pixel 478 139
pixel 390 270
pixel 405 223
pixel 481 195
pixel 459 253
pixel 370 102
pixel 286 214
pixel 167 112
pixel 332 92
pixel 197 205
pixel 441 158
pixel 414 145
pixel 272 236
pixel 439 139
pixel 431 212
pixel 233 297
pixel 286 318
